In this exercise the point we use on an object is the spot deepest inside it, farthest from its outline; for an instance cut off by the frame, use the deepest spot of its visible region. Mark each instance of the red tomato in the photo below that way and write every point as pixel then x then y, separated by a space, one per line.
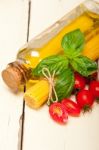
pixel 80 81
pixel 85 99
pixel 58 113
pixel 72 108
pixel 94 88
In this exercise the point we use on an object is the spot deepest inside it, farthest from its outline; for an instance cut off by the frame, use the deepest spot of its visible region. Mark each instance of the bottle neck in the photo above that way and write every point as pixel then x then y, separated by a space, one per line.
pixel 16 74
pixel 24 73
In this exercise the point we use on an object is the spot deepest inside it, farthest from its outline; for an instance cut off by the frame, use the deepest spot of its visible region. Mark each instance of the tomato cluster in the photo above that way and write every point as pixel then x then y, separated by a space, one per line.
pixel 85 98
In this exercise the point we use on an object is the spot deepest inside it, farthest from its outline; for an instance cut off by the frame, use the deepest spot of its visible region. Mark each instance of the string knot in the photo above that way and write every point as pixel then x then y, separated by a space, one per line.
pixel 50 78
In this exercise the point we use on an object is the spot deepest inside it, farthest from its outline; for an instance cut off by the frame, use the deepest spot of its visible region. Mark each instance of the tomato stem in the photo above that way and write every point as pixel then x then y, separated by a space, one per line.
pixel 97 100
pixel 86 108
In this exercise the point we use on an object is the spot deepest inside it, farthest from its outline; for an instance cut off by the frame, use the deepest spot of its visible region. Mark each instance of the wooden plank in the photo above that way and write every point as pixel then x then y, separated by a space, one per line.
pixel 13 34
pixel 46 12
pixel 40 132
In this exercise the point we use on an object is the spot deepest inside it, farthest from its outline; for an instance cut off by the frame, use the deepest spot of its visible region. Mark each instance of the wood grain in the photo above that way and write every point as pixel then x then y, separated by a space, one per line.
pixel 13 33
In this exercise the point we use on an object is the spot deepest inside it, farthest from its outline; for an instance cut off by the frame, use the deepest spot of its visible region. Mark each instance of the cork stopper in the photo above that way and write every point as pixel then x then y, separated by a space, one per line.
pixel 14 75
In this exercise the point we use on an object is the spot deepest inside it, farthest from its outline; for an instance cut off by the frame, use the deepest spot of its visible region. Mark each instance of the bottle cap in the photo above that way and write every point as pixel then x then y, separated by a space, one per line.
pixel 12 77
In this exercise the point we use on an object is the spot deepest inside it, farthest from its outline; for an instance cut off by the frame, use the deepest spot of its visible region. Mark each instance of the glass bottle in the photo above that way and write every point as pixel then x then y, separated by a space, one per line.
pixel 48 43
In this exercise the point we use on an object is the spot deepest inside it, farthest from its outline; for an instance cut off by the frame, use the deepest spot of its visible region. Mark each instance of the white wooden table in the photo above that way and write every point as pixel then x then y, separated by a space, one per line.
pixel 40 132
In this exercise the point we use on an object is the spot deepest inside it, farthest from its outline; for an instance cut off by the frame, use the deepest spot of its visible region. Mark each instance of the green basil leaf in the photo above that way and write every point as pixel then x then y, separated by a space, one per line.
pixel 84 65
pixel 55 63
pixel 64 84
pixel 73 42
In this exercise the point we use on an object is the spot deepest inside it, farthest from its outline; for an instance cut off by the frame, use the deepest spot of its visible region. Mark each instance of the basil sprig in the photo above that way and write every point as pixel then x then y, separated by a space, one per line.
pixel 64 65
pixel 64 80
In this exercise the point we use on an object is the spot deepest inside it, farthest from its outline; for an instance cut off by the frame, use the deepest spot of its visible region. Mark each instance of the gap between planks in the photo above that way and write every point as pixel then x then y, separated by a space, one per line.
pixel 22 118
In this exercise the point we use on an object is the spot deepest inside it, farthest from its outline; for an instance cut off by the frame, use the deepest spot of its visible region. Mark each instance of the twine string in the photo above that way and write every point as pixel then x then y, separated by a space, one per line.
pixel 50 78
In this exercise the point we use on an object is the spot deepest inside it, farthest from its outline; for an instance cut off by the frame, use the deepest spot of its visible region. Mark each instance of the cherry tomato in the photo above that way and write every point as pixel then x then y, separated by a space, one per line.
pixel 58 113
pixel 80 81
pixel 85 99
pixel 72 108
pixel 94 88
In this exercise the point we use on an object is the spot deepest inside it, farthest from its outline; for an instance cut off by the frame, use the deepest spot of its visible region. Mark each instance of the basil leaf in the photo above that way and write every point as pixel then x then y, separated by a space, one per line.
pixel 84 65
pixel 73 42
pixel 55 63
pixel 64 84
